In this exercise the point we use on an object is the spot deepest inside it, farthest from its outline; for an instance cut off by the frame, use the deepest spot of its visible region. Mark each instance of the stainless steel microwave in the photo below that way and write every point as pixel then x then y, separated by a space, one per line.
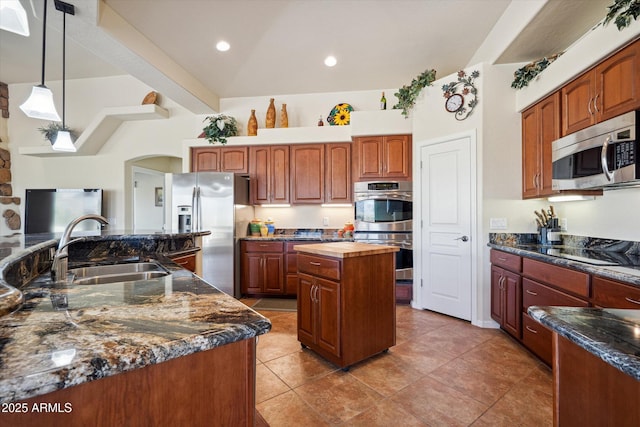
pixel 600 156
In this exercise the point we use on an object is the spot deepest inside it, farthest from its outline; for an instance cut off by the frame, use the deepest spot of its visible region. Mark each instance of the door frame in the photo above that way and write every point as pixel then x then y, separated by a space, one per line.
pixel 476 208
pixel 139 169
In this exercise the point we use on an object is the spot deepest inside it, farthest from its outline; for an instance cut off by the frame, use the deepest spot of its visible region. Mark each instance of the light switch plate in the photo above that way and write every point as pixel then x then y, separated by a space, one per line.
pixel 562 222
pixel 325 220
pixel 498 223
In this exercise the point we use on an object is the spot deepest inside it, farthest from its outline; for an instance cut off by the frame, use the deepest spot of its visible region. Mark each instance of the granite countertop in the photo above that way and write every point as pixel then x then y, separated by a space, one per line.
pixel 629 273
pixel 610 334
pixel 345 249
pixel 65 335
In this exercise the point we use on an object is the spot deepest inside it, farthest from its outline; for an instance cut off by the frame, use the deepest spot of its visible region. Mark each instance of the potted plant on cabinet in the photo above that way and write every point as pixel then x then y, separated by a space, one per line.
pixel 220 127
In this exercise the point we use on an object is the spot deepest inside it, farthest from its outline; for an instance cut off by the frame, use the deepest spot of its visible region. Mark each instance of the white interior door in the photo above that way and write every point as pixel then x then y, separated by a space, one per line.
pixel 445 210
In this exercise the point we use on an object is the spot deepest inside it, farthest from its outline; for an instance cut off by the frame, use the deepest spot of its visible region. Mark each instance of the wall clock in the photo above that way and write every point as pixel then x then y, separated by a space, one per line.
pixel 455 93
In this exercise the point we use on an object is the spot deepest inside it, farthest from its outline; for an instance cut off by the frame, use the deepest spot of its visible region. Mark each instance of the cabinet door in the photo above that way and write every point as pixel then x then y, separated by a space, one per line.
pixel 338 187
pixel 530 153
pixel 306 312
pixel 328 306
pixel 252 274
pixel 234 160
pixel 205 159
pixel 496 294
pixel 279 171
pixel 273 271
pixel 577 103
pixel 512 313
pixel 259 173
pixel 368 158
pixel 396 156
pixel 549 115
pixel 307 173
pixel 618 83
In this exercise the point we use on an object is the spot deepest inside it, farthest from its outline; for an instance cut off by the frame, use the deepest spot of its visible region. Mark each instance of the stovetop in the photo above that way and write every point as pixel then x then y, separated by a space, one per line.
pixel 589 256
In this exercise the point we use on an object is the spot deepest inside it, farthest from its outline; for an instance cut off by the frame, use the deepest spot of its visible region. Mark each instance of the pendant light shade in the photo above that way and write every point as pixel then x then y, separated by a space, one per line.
pixel 40 104
pixel 13 17
pixel 64 142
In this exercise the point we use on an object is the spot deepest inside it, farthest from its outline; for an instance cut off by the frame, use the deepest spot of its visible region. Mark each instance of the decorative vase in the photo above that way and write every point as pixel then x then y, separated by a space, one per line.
pixel 284 118
pixel 252 126
pixel 271 115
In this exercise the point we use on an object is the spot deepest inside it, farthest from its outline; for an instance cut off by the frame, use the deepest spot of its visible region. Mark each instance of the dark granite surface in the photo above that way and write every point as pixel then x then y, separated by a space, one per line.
pixel 613 335
pixel 612 259
pixel 64 334
pixel 301 234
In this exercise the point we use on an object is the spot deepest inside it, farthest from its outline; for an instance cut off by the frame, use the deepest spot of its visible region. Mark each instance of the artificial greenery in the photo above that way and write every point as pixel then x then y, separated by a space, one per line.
pixel 220 127
pixel 621 12
pixel 51 130
pixel 524 75
pixel 407 94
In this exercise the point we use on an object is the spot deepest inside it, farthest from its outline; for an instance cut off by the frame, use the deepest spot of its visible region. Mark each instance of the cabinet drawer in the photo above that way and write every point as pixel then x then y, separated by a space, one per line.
pixel 537 294
pixel 263 246
pixel 559 277
pixel 289 245
pixel 317 266
pixel 509 261
pixel 611 294
pixel 537 338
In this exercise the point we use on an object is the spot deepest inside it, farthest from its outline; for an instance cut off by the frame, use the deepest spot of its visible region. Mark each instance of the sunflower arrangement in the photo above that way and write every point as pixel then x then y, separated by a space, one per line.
pixel 340 115
pixel 220 127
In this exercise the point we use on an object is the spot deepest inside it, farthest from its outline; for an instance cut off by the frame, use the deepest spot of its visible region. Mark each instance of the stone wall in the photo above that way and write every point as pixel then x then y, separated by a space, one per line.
pixel 9 204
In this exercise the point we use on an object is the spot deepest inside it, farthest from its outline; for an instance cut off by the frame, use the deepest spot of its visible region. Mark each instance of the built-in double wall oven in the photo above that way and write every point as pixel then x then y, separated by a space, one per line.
pixel 384 215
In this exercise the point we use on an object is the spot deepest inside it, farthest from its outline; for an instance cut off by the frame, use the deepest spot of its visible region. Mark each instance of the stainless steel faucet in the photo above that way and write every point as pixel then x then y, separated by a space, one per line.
pixel 61 258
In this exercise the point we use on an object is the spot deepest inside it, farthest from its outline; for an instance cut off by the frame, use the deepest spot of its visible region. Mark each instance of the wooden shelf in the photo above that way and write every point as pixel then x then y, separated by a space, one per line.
pixel 100 130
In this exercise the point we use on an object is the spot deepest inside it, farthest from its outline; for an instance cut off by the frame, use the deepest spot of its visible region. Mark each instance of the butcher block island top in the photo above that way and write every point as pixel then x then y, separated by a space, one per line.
pixel 345 249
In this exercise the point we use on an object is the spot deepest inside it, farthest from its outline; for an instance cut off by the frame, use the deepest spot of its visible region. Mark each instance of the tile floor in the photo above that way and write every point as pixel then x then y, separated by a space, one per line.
pixel 441 372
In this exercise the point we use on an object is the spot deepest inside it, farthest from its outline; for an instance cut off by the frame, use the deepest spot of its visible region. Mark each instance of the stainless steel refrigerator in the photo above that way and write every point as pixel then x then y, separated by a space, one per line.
pixel 217 202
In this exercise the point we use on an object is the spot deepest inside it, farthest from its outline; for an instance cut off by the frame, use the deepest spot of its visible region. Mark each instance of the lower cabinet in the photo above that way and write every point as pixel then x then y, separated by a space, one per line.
pixel 505 300
pixel 186 261
pixel 262 268
pixel 346 306
pixel 612 294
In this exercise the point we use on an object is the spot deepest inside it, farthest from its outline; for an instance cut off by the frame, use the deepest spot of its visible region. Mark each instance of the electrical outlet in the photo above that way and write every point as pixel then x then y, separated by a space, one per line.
pixel 325 221
pixel 498 223
pixel 562 222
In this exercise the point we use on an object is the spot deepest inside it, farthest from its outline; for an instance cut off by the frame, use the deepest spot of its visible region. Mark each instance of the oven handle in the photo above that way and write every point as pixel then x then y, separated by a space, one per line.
pixel 368 196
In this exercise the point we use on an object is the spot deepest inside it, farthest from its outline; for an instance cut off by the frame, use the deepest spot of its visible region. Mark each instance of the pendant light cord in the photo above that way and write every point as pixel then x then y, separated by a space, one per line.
pixel 44 39
pixel 64 61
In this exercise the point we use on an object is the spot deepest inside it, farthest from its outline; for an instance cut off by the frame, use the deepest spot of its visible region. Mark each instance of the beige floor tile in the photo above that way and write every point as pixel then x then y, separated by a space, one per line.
pixel 300 367
pixel 276 344
pixel 288 410
pixel 338 396
pixel 268 384
pixel 386 373
pixel 385 414
pixel 439 405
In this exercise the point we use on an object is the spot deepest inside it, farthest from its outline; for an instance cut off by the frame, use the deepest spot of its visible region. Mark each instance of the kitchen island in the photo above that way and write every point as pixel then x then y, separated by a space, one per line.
pixel 596 364
pixel 346 300
pixel 172 350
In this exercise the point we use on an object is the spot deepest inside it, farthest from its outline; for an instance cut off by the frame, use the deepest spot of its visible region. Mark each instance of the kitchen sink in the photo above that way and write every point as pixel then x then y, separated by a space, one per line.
pixel 130 272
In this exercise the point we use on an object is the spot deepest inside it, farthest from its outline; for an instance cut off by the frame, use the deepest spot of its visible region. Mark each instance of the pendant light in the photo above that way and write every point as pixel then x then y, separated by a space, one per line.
pixel 63 140
pixel 40 105
pixel 13 17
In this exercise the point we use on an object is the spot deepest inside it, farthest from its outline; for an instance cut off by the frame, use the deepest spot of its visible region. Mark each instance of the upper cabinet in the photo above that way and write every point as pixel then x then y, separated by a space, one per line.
pixel 540 127
pixel 609 89
pixel 386 156
pixel 269 174
pixel 220 159
pixel 321 173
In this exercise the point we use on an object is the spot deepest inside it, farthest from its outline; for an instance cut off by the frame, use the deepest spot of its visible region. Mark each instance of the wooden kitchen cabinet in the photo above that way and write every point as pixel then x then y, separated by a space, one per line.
pixel 186 261
pixel 346 306
pixel 607 90
pixel 269 174
pixel 338 183
pixel 505 300
pixel 321 173
pixel 612 294
pixel 262 268
pixel 540 127
pixel 220 159
pixel 387 156
pixel 307 173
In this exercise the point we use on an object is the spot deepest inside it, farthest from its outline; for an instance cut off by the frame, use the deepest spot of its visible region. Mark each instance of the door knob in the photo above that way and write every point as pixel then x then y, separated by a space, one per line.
pixel 463 238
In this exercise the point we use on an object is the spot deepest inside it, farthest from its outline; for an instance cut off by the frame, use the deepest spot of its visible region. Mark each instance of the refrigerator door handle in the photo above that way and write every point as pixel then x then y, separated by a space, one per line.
pixel 199 210
pixel 194 205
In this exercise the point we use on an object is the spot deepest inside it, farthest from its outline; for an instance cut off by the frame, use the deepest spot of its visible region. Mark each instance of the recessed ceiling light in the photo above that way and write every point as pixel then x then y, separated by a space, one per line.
pixel 330 61
pixel 223 46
